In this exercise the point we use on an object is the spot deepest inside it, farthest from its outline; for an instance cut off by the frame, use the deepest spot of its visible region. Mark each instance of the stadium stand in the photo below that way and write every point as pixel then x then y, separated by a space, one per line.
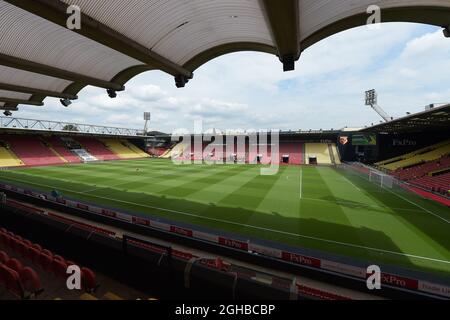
pixel 46 268
pixel 439 184
pixel 293 150
pixel 135 149
pixel 97 149
pixel 31 150
pixel 9 159
pixel 427 168
pixel 421 170
pixel 158 152
pixel 289 152
pixel 420 156
pixel 122 150
pixel 59 146
pixel 317 153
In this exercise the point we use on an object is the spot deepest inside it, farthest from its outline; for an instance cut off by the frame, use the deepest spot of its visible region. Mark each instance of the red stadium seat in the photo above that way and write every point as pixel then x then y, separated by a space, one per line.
pixel 59 268
pixel 47 252
pixel 56 257
pixel 14 264
pixel 37 247
pixel 34 254
pixel 3 238
pixel 45 261
pixel 3 257
pixel 22 249
pixel 88 279
pixel 97 148
pixel 12 243
pixel 31 150
pixel 30 280
pixel 11 280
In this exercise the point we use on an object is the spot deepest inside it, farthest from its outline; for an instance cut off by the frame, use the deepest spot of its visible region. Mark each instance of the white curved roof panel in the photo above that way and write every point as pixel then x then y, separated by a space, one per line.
pixel 29 37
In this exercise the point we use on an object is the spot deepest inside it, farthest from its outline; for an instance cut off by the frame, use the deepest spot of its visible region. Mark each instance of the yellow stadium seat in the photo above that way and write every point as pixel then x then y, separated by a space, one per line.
pixel 318 150
pixel 9 159
pixel 424 155
pixel 123 150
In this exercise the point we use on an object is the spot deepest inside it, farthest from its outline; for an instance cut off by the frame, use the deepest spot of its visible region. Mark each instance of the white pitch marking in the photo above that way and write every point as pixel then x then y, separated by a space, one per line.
pixel 361 204
pixel 418 206
pixel 415 204
pixel 348 180
pixel 254 227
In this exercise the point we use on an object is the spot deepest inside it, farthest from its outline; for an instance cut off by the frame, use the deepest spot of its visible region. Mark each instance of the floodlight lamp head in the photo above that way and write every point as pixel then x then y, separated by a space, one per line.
pixel 65 102
pixel 147 116
pixel 371 97
pixel 7 113
pixel 111 93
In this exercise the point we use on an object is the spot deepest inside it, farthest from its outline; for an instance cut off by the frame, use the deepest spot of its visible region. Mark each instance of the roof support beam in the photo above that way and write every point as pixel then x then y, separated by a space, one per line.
pixel 10 87
pixel 283 21
pixel 18 101
pixel 56 12
pixel 35 67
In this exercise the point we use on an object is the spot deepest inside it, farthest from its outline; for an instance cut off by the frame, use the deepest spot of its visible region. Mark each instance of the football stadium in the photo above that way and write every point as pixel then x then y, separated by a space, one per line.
pixel 245 214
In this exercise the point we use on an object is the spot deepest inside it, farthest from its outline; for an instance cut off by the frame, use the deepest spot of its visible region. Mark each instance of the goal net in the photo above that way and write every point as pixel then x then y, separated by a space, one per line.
pixel 381 179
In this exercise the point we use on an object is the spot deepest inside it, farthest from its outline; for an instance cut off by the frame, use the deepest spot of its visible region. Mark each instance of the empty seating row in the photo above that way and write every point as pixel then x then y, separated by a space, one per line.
pixel 31 150
pixel 439 184
pixel 135 149
pixel 48 262
pixel 421 170
pixel 157 152
pixel 9 159
pixel 288 152
pixel 121 150
pixel 58 145
pixel 97 149
pixel 23 282
pixel 412 154
pixel 427 155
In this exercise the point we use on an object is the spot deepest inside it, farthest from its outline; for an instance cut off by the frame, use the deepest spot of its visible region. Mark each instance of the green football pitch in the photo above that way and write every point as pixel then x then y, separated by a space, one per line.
pixel 321 208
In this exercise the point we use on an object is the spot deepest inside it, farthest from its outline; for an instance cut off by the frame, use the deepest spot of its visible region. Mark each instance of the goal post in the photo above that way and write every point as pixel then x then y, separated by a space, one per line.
pixel 381 179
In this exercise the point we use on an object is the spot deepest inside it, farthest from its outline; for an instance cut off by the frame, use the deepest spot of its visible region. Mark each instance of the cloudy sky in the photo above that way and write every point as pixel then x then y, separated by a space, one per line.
pixel 408 64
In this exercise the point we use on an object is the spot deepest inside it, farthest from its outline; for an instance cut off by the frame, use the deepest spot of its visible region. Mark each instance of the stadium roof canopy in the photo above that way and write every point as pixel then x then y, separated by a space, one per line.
pixel 429 120
pixel 40 56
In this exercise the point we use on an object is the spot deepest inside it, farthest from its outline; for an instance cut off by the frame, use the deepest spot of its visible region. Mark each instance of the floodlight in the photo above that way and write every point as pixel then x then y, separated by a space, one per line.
pixel 7 113
pixel 111 93
pixel 371 97
pixel 65 102
pixel 147 116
